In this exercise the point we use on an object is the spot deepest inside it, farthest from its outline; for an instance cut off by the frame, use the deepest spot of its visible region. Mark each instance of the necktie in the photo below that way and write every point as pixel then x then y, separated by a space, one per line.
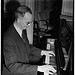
pixel 26 42
pixel 24 36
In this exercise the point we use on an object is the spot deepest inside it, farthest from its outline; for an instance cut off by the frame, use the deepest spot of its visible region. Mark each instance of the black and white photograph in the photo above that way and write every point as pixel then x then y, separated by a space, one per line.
pixel 37 37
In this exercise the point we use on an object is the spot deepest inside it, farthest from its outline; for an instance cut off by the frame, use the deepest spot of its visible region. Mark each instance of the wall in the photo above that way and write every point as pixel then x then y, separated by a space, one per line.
pixel 29 3
pixel 67 7
pixel 47 6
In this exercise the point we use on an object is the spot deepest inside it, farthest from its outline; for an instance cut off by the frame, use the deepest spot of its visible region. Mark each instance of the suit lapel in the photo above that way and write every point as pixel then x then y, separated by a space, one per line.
pixel 22 46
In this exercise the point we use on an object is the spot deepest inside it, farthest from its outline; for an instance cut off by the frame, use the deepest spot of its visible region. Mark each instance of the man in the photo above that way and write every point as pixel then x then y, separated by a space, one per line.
pixel 17 52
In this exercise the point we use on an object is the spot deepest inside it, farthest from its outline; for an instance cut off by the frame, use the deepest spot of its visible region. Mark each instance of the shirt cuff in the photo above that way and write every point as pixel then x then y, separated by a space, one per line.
pixel 42 52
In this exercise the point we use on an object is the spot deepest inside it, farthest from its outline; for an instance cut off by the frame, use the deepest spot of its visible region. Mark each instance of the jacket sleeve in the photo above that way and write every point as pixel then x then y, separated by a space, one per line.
pixel 11 60
pixel 35 54
pixel 35 51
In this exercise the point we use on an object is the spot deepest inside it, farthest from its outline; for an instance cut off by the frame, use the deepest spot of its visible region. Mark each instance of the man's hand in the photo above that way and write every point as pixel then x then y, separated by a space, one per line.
pixel 47 53
pixel 47 69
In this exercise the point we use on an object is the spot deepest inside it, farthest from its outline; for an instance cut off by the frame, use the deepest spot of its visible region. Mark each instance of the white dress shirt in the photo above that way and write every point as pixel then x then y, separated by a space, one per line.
pixel 18 30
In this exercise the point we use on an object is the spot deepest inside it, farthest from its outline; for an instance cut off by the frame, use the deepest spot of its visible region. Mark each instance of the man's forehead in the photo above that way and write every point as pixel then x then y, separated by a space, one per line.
pixel 28 15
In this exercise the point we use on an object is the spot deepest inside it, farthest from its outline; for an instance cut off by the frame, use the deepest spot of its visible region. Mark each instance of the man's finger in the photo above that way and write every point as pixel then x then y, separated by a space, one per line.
pixel 50 73
pixel 51 52
pixel 52 69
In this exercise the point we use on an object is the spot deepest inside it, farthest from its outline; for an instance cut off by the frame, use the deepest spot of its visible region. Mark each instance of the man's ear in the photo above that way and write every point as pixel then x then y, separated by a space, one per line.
pixel 19 20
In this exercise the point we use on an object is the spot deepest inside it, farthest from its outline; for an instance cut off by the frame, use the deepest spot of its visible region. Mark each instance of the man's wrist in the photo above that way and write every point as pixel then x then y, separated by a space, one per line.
pixel 38 68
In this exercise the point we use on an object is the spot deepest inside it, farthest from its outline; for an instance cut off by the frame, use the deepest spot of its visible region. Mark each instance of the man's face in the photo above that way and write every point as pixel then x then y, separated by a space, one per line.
pixel 26 20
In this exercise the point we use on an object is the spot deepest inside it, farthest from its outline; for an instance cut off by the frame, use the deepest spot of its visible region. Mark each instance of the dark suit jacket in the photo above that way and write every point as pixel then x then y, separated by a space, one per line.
pixel 18 54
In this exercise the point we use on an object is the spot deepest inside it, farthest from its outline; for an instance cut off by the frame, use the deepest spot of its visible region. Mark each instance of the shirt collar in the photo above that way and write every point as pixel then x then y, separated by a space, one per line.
pixel 18 30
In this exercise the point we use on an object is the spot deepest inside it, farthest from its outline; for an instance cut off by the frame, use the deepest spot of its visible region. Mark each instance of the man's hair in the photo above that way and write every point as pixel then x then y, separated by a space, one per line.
pixel 20 11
